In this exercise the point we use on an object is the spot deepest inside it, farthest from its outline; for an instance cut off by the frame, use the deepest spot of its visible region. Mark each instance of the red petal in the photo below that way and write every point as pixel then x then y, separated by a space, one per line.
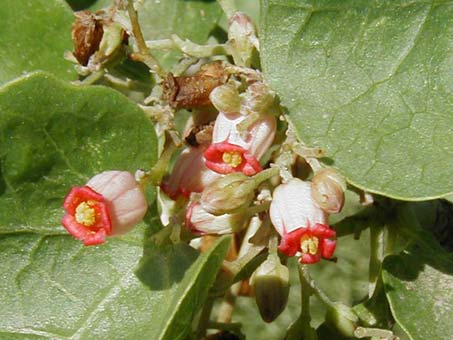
pixel 95 238
pixel 322 231
pixel 309 259
pixel 328 248
pixel 290 243
pixel 78 195
pixel 252 166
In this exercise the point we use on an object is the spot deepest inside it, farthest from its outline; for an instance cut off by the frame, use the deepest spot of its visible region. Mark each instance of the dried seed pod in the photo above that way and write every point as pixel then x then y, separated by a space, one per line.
pixel 193 92
pixel 200 135
pixel 87 34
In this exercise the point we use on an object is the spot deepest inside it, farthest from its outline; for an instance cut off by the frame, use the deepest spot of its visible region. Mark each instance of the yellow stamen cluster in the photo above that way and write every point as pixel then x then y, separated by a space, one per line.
pixel 309 244
pixel 85 214
pixel 233 158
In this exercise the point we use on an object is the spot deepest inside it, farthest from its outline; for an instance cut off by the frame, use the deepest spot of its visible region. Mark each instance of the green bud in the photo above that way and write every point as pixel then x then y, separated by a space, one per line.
pixel 343 319
pixel 258 98
pixel 328 190
pixel 225 98
pixel 242 39
pixel 228 194
pixel 270 283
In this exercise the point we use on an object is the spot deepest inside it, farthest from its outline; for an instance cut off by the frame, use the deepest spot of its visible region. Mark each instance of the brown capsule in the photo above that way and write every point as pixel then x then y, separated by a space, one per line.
pixel 87 34
pixel 200 135
pixel 193 91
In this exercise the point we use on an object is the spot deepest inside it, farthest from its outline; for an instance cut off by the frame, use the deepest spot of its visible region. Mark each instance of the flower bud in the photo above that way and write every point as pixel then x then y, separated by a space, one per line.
pixel 328 190
pixel 228 194
pixel 270 283
pixel 225 98
pixel 110 204
pixel 343 319
pixel 242 39
pixel 200 222
pixel 258 98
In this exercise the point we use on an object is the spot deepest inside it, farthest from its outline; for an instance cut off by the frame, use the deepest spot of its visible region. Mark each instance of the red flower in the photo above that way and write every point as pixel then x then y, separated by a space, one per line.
pixel 110 204
pixel 313 242
pixel 87 216
pixel 225 158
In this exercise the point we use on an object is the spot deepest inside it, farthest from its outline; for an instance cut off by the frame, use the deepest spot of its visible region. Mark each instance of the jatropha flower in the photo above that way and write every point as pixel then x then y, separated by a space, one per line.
pixel 189 174
pixel 233 150
pixel 301 223
pixel 110 204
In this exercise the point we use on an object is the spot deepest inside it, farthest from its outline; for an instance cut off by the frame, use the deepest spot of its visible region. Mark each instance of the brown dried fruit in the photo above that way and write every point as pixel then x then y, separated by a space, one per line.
pixel 87 34
pixel 193 91
pixel 200 135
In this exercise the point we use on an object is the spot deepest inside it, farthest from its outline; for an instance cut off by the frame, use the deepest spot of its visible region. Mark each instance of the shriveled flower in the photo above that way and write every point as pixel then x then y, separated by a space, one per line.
pixel 233 150
pixel 301 223
pixel 200 222
pixel 110 204
pixel 189 174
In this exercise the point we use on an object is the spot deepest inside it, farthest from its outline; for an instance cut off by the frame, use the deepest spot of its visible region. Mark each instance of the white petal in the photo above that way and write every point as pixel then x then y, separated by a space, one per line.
pixel 293 207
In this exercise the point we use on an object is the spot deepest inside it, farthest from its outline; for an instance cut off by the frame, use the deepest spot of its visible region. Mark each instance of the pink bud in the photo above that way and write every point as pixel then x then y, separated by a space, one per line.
pixel 301 223
pixel 200 222
pixel 110 204
pixel 189 174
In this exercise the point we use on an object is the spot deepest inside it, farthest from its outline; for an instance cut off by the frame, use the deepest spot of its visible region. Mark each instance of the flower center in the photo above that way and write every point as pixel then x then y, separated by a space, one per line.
pixel 309 244
pixel 233 158
pixel 85 214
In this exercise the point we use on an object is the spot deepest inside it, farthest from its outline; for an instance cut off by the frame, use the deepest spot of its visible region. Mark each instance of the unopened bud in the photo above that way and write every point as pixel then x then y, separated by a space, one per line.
pixel 225 98
pixel 328 190
pixel 242 39
pixel 228 194
pixel 258 98
pixel 200 222
pixel 270 283
pixel 342 318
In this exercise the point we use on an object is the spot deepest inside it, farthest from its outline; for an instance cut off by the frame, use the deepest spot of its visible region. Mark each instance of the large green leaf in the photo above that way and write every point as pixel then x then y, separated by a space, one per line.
pixel 33 36
pixel 54 136
pixel 419 286
pixel 372 83
pixel 54 288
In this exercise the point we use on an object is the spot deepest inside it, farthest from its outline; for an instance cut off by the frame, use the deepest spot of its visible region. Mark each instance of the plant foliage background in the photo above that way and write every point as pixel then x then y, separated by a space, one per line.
pixel 370 81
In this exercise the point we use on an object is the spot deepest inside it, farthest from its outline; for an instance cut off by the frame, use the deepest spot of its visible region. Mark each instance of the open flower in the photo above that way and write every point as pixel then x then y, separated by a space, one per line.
pixel 110 204
pixel 234 150
pixel 189 174
pixel 301 223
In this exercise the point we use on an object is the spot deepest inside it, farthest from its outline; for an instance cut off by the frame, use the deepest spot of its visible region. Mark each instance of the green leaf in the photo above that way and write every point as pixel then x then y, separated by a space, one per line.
pixel 419 285
pixel 54 136
pixel 54 288
pixel 193 20
pixel 34 36
pixel 371 82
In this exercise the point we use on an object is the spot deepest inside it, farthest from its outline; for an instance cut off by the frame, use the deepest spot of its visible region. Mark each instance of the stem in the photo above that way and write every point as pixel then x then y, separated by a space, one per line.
pixel 376 256
pixel 227 306
pixel 144 54
pixel 303 270
pixel 305 151
pixel 203 323
pixel 228 6
pixel 266 174
pixel 362 332
pixel 305 293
